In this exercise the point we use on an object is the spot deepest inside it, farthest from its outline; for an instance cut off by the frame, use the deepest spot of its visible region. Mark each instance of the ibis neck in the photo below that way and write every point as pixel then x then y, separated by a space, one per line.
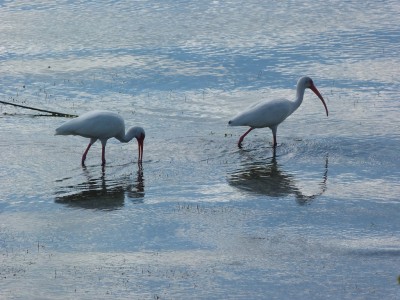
pixel 133 132
pixel 124 139
pixel 299 98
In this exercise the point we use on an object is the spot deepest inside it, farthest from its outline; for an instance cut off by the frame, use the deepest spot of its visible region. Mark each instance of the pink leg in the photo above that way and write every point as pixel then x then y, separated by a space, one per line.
pixel 85 153
pixel 242 137
pixel 275 143
pixel 103 155
pixel 274 135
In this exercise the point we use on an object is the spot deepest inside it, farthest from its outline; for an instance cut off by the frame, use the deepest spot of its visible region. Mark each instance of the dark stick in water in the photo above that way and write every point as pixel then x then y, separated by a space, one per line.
pixel 53 113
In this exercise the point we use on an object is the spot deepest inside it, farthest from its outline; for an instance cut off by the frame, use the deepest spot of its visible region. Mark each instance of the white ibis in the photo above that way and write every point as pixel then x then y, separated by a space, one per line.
pixel 102 125
pixel 272 113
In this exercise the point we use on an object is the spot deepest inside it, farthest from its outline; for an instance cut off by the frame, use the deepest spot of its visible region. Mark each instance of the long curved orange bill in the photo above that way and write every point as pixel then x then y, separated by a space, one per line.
pixel 140 149
pixel 314 89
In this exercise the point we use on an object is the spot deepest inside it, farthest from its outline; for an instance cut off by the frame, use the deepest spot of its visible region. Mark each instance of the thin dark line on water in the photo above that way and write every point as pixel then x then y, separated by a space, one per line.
pixel 53 113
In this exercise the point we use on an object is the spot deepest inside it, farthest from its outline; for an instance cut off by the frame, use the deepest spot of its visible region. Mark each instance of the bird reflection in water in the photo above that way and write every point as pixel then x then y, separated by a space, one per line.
pixel 268 178
pixel 102 194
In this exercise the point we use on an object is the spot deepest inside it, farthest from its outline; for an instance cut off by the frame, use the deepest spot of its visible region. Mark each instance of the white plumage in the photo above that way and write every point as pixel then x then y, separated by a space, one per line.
pixel 102 125
pixel 271 113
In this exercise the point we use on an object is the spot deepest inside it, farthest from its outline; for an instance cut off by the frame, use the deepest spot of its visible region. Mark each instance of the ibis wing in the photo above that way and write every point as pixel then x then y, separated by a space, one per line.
pixel 263 114
pixel 93 124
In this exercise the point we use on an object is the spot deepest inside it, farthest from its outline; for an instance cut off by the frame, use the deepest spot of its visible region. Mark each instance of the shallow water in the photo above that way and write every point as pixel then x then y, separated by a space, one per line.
pixel 316 220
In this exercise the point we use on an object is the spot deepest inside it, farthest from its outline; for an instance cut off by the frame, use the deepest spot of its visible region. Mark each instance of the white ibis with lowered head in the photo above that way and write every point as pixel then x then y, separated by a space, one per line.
pixel 272 113
pixel 102 125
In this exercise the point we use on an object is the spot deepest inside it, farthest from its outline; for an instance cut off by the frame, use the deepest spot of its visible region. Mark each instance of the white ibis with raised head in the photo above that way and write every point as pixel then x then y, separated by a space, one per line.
pixel 102 125
pixel 273 112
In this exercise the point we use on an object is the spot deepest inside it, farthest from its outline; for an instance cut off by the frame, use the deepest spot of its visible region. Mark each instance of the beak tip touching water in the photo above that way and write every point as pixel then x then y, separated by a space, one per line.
pixel 140 149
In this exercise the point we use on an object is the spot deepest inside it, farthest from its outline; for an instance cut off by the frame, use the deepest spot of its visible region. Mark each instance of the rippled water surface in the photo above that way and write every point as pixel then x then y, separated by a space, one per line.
pixel 317 219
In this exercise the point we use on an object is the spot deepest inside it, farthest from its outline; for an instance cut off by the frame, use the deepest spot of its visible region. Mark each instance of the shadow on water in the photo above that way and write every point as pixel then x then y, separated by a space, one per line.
pixel 268 178
pixel 101 193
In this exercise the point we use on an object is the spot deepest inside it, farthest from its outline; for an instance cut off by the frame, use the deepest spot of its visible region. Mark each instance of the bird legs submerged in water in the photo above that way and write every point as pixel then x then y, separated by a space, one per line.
pixel 84 154
pixel 242 137
pixel 103 152
pixel 274 128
